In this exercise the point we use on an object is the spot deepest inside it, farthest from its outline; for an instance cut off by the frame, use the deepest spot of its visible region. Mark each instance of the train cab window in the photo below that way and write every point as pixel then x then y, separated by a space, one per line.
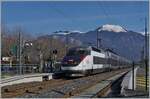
pixel 77 52
pixel 81 52
pixel 95 49
pixel 71 53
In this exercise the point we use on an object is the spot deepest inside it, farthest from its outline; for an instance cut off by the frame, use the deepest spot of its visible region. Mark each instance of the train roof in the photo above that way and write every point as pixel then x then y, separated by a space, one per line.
pixel 78 47
pixel 95 49
pixel 86 47
pixel 110 50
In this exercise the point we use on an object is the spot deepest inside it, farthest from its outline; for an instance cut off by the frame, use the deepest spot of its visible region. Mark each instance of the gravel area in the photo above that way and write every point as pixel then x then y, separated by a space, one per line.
pixel 67 89
pixel 59 91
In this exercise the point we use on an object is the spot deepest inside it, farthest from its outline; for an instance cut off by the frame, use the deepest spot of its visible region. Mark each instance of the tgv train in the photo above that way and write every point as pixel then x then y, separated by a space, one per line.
pixel 88 60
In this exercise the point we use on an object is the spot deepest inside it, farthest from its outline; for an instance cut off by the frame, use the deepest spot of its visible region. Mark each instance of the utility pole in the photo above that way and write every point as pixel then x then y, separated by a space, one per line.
pixel 142 55
pixel 98 40
pixel 146 53
pixel 50 47
pixel 51 59
pixel 67 41
pixel 20 50
pixel 133 76
pixel 41 61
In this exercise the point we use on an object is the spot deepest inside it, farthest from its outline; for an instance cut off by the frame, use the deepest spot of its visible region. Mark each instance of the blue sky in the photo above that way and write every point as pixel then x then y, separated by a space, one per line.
pixel 49 16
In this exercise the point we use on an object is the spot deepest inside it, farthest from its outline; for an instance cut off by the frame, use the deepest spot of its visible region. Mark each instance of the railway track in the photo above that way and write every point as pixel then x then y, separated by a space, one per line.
pixel 33 87
pixel 61 88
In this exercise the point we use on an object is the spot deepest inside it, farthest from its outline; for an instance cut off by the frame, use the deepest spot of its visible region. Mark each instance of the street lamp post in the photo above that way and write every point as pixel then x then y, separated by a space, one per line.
pixel 146 52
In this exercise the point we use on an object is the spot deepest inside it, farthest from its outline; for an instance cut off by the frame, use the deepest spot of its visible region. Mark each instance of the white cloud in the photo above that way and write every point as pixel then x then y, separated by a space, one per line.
pixel 63 33
pixel 77 31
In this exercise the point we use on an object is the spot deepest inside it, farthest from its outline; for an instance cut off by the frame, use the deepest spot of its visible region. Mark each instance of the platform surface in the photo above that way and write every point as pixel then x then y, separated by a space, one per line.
pixel 24 79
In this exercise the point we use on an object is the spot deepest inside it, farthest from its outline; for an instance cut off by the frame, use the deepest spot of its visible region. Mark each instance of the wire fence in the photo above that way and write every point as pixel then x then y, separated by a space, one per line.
pixel 12 70
pixel 8 70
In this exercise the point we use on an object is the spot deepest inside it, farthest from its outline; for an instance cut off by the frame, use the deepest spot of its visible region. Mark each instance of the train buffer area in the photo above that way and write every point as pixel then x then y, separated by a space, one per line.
pixel 25 79
pixel 101 89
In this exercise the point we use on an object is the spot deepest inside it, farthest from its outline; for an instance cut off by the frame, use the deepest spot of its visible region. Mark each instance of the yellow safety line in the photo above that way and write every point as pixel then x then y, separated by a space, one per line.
pixel 141 85
pixel 142 77
pixel 141 81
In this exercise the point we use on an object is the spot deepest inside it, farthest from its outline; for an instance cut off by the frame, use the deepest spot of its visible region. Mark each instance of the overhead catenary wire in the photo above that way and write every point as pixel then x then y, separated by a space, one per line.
pixel 101 6
pixel 62 13
pixel 107 12
pixel 67 16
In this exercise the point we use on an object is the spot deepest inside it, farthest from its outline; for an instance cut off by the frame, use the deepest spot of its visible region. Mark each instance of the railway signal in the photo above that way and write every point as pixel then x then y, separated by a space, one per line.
pixel 55 51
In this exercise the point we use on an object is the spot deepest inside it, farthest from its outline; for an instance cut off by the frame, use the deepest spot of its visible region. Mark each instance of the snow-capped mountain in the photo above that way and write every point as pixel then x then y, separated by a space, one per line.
pixel 112 28
pixel 124 42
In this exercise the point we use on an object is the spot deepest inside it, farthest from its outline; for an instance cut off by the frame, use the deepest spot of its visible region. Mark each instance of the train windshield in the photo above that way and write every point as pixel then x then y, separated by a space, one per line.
pixel 74 56
pixel 77 52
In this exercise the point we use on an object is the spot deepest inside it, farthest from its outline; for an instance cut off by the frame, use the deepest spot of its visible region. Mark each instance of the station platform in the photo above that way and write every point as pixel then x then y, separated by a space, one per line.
pixel 25 79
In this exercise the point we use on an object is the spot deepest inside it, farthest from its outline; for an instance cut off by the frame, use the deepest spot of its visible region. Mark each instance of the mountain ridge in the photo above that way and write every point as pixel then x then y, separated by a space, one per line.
pixel 127 43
